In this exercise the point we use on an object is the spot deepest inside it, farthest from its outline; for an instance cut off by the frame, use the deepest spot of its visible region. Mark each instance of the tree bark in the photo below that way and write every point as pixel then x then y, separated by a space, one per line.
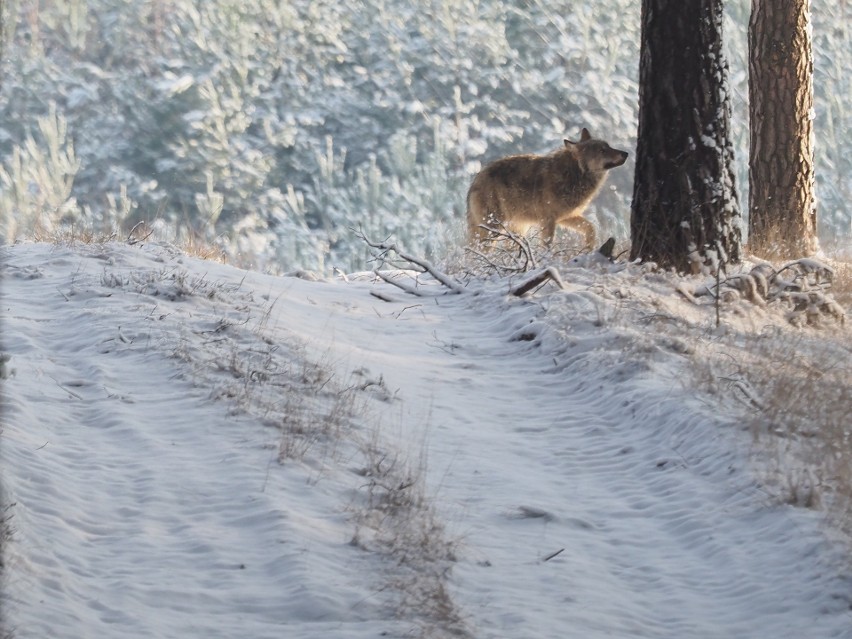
pixel 782 207
pixel 685 212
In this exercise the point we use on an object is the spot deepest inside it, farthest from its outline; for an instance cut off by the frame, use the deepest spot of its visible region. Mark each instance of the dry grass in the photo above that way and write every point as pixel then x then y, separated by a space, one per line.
pixel 189 241
pixel 196 245
pixel 795 387
pixel 794 384
pixel 5 537
pixel 322 415
pixel 397 519
pixel 73 234
pixel 804 412
pixel 842 285
pixel 318 417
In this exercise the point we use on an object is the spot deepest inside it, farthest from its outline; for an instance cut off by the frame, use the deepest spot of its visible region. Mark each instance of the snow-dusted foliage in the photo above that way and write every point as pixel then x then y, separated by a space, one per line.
pixel 37 180
pixel 270 129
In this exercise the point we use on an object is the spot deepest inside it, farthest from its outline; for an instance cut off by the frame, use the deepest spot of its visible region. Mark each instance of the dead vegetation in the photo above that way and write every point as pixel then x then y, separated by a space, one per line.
pixel 186 239
pixel 793 384
pixel 5 538
pixel 791 381
pixel 508 252
pixel 526 266
pixel 842 286
pixel 794 388
pixel 397 518
pixel 803 288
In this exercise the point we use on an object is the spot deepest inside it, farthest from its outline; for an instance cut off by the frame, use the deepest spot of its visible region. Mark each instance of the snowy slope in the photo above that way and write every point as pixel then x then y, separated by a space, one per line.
pixel 199 451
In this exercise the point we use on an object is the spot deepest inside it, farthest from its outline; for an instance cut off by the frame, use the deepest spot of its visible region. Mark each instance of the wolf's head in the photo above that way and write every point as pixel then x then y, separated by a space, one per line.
pixel 595 155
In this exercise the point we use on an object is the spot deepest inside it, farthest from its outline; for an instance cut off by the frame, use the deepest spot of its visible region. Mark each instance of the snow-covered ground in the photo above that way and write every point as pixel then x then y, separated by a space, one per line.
pixel 194 450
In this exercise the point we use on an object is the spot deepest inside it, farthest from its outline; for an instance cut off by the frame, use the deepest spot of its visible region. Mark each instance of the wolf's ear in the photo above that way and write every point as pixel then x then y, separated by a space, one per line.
pixel 569 143
pixel 585 135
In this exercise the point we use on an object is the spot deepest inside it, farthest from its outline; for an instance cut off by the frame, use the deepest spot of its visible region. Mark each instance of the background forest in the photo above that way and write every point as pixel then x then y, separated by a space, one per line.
pixel 271 128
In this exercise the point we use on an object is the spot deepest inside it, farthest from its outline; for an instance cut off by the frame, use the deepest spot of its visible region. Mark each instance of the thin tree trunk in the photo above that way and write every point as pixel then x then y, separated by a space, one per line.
pixel 782 207
pixel 685 212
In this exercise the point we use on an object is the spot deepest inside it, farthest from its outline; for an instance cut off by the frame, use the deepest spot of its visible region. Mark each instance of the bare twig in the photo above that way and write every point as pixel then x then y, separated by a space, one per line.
pixel 553 554
pixel 135 240
pixel 381 296
pixel 505 251
pixel 520 242
pixel 66 389
pixel 399 314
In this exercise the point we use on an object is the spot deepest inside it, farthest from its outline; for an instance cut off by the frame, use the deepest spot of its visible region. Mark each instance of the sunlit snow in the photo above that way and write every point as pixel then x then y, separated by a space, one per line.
pixel 181 464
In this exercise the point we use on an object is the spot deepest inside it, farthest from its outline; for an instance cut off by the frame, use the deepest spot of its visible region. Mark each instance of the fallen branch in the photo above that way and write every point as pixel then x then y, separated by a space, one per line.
pixel 412 290
pixel 420 264
pixel 536 280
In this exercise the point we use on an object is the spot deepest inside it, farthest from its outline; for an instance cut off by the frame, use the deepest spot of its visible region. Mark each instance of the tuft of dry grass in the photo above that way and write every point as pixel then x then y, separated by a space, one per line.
pixel 306 419
pixel 841 287
pixel 398 519
pixel 805 412
pixel 5 537
pixel 196 245
pixel 794 385
pixel 73 234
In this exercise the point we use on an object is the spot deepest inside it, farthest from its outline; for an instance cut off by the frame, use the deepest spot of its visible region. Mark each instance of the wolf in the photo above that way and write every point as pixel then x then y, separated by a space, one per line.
pixel 545 190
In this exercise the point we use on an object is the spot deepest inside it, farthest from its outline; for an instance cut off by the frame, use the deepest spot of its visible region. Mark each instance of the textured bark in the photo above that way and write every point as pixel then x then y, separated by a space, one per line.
pixel 685 212
pixel 782 208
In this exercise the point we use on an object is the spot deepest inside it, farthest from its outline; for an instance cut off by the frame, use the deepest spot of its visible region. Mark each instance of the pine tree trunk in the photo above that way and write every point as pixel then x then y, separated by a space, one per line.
pixel 782 208
pixel 685 212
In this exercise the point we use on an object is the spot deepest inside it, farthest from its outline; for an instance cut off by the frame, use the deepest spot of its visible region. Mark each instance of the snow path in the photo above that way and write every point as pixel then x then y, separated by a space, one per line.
pixel 147 508
pixel 536 449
